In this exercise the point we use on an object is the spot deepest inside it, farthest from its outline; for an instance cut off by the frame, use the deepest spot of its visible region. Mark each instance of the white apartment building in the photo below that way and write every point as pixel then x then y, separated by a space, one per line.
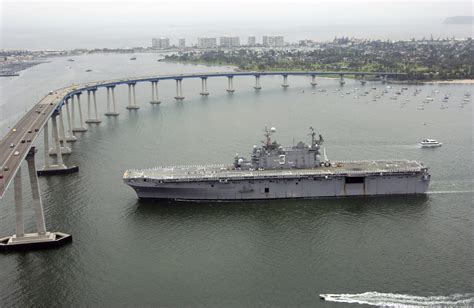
pixel 160 43
pixel 229 41
pixel 207 42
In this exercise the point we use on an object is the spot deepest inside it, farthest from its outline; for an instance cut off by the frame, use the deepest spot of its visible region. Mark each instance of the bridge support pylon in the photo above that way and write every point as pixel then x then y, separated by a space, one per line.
pixel 204 87
pixel 154 93
pixel 65 150
pixel 179 90
pixel 59 167
pixel 80 127
pixel 70 136
pixel 257 83
pixel 91 120
pixel 132 100
pixel 285 81
pixel 341 80
pixel 41 238
pixel 111 93
pixel 230 84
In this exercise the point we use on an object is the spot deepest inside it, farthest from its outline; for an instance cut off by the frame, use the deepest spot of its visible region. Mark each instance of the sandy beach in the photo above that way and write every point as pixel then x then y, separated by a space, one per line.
pixel 459 81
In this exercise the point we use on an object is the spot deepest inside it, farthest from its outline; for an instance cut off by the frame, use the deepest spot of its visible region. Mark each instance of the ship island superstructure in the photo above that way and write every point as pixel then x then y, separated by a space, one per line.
pixel 276 172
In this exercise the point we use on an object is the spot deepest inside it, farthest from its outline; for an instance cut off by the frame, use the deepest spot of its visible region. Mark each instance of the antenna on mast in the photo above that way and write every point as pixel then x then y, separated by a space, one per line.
pixel 312 134
pixel 268 136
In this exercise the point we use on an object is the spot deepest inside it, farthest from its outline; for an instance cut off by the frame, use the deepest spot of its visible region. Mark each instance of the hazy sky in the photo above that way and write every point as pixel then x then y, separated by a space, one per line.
pixel 102 23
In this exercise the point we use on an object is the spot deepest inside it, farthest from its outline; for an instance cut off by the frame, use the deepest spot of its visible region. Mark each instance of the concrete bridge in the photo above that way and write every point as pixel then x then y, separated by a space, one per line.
pixel 17 145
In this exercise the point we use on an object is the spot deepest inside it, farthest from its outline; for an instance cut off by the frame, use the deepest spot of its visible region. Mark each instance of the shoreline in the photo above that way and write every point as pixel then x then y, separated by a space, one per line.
pixel 451 81
pixel 454 81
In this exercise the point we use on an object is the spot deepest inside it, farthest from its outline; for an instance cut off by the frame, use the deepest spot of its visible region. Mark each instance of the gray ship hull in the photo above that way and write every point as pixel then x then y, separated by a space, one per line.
pixel 284 188
pixel 275 172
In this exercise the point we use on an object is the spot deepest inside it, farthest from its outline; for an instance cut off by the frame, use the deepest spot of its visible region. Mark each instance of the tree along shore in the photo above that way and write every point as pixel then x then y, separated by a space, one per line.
pixel 426 60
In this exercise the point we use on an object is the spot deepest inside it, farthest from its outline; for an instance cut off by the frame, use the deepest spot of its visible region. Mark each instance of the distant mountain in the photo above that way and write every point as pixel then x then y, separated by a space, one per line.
pixel 459 20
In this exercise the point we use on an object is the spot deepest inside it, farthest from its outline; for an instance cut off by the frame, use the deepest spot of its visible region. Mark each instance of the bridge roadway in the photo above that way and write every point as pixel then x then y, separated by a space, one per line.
pixel 15 145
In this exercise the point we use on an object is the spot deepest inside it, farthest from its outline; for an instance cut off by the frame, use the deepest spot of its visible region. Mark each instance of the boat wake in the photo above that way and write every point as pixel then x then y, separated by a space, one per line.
pixel 401 300
pixel 450 192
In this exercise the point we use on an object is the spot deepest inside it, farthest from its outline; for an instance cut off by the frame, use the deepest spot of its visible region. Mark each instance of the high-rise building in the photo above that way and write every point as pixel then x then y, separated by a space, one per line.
pixel 224 41
pixel 160 43
pixel 251 41
pixel 279 41
pixel 267 41
pixel 229 41
pixel 207 42
pixel 235 41
pixel 181 43
pixel 273 41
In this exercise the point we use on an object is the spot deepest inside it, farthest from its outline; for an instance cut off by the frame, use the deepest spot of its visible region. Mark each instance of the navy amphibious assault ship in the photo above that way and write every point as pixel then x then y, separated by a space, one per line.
pixel 276 172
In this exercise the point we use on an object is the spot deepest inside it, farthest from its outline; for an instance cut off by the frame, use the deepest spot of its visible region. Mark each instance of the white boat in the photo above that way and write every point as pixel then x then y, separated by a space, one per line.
pixel 430 143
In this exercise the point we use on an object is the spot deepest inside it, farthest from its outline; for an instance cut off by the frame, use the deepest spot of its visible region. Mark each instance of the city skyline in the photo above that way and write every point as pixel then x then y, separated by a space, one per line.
pixel 224 41
pixel 30 24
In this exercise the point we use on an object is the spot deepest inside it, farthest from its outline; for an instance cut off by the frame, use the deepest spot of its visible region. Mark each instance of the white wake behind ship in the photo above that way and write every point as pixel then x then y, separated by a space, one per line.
pixel 276 172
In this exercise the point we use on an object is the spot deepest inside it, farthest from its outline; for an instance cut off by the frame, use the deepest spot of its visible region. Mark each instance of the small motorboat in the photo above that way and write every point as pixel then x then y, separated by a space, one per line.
pixel 430 143
pixel 323 296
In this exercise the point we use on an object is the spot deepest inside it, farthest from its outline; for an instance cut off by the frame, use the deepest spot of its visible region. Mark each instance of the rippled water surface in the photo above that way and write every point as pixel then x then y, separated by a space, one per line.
pixel 284 253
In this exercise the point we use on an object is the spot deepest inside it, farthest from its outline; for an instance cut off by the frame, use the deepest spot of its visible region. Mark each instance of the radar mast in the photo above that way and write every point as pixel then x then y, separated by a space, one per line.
pixel 268 136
